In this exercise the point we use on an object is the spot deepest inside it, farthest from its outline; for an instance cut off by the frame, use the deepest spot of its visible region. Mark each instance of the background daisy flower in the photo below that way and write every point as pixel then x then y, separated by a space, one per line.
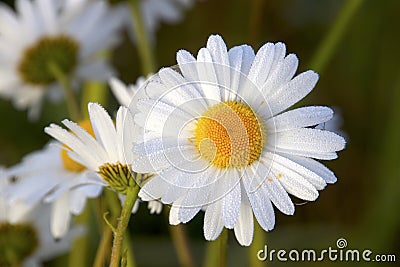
pixel 156 12
pixel 25 238
pixel 218 137
pixel 50 176
pixel 46 38
pixel 110 152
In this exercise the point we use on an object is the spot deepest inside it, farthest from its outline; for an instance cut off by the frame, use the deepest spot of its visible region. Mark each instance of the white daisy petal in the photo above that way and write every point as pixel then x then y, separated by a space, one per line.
pixel 300 117
pixel 295 184
pixel 218 51
pixel 153 189
pixel 207 76
pixel 120 91
pixel 72 142
pixel 308 174
pixel 261 206
pixel 280 52
pixel 309 140
pixel 231 201
pixel 316 167
pixel 187 65
pixel 235 60
pixel 292 92
pixel 103 128
pixel 174 213
pixel 244 228
pixel 98 152
pixel 262 64
pixel 196 196
pixel 282 74
pixel 48 9
pixel 77 202
pixel 60 216
pixel 213 224
pixel 174 81
pixel 271 187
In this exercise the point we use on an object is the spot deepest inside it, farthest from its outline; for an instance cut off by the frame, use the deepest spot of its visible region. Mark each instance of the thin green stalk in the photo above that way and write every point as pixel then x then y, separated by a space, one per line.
pixel 130 256
pixel 223 245
pixel 78 255
pixel 386 164
pixel 93 91
pixel 181 244
pixel 216 251
pixel 142 39
pixel 334 36
pixel 102 249
pixel 123 221
pixel 257 244
pixel 70 98
pixel 114 206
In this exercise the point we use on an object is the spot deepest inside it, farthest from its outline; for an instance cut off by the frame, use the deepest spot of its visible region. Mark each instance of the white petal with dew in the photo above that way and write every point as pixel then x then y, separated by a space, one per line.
pixel 244 228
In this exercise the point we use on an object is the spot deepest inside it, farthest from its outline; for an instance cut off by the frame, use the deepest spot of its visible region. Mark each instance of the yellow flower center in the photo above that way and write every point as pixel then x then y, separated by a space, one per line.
pixel 230 135
pixel 70 164
pixel 59 51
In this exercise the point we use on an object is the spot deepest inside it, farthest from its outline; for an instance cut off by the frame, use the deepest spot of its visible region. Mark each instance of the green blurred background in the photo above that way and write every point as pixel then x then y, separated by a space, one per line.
pixel 361 77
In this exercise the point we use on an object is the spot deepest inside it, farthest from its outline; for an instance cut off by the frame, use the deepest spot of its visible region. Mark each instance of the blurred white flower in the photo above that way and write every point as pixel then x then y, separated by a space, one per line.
pixel 156 12
pixel 25 238
pixel 49 176
pixel 46 36
pixel 218 138
pixel 110 153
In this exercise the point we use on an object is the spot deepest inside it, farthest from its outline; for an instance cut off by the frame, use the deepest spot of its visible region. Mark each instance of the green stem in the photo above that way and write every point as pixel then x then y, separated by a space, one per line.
pixel 123 221
pixel 70 98
pixel 257 244
pixel 93 91
pixel 222 243
pixel 334 36
pixel 103 247
pixel 130 257
pixel 181 244
pixel 142 39
pixel 80 247
pixel 216 251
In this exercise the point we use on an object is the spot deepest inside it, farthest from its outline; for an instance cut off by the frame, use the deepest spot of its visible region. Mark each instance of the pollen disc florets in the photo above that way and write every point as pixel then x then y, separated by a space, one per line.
pixel 61 51
pixel 230 134
pixel 17 242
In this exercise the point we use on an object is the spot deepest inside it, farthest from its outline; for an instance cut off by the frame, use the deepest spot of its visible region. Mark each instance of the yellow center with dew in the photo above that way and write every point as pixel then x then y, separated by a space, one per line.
pixel 230 135
pixel 70 164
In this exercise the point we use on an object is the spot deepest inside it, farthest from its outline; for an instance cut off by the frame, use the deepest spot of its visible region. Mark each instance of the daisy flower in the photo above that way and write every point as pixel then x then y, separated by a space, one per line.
pixel 46 38
pixel 25 238
pixel 218 135
pixel 50 176
pixel 109 153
